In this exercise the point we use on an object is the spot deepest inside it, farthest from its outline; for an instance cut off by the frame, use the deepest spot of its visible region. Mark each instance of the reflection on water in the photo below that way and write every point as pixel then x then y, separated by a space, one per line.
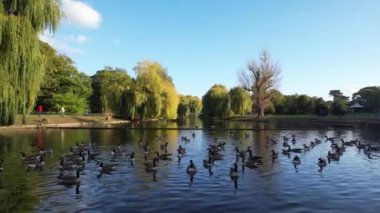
pixel 347 185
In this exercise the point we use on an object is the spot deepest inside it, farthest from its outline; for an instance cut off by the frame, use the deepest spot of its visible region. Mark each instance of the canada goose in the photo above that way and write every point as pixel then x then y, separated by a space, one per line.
pixel 66 165
pixel 45 152
pixel 132 157
pixel 151 167
pixel 274 155
pixel 193 134
pixel 215 155
pixel 117 152
pixel 312 144
pixel 321 163
pixel 333 156
pixel 285 138
pixel 329 139
pixel 251 164
pixel 207 163
pixel 317 141
pixel 296 150
pixel 164 146
pixel 36 164
pixel 251 157
pixel 1 166
pixel 24 157
pixel 181 150
pixel 285 144
pixel 287 151
pixel 91 156
pixel 191 169
pixel 347 143
pixel 106 168
pixel 296 160
pixel 239 153
pixel 234 173
pixel 163 156
pixel 305 147
pixel 70 179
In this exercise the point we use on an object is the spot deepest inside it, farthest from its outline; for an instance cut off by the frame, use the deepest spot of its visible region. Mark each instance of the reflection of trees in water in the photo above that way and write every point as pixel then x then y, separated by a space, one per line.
pixel 17 187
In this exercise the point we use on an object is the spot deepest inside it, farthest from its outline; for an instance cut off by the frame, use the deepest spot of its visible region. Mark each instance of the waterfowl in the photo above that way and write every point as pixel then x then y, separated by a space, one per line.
pixel 66 165
pixel 296 150
pixel 305 147
pixel 329 139
pixel 132 157
pixel 251 164
pixel 117 152
pixel 191 169
pixel 91 156
pixel 321 163
pixel 251 157
pixel 164 146
pixel 181 151
pixel 274 155
pixel 234 173
pixel 332 156
pixel 36 164
pixel 317 141
pixel 347 143
pixel 106 168
pixel 287 151
pixel 239 153
pixel 70 179
pixel 163 156
pixel 207 163
pixel 296 160
pixel 285 138
pixel 24 157
pixel 1 166
pixel 151 166
pixel 193 134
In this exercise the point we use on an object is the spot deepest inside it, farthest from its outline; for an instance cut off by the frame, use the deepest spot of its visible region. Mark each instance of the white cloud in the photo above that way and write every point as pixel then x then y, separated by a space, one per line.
pixel 80 13
pixel 60 45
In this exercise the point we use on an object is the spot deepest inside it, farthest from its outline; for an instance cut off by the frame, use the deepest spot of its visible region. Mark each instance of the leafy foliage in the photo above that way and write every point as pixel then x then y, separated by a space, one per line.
pixel 216 102
pixel 62 79
pixel 21 60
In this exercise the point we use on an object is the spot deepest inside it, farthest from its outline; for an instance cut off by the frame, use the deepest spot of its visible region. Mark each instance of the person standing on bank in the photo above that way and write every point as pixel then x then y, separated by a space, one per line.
pixel 62 111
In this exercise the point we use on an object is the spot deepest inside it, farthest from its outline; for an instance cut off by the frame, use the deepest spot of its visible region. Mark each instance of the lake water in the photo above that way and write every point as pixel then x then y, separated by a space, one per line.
pixel 348 185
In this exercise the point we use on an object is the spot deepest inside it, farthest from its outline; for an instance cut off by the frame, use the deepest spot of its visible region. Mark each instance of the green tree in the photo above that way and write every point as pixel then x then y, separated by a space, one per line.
pixel 277 102
pixel 157 86
pixel 216 102
pixel 305 104
pixel 369 98
pixel 189 105
pixel 21 59
pixel 63 80
pixel 321 107
pixel 110 86
pixel 290 105
pixel 339 104
pixel 240 101
pixel 260 79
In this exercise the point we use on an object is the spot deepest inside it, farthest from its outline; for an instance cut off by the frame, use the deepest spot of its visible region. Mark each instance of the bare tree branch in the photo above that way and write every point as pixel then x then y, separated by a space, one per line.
pixel 261 78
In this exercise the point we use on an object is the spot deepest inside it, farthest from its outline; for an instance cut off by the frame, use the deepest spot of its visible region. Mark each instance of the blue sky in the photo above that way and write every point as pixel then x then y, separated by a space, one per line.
pixel 320 45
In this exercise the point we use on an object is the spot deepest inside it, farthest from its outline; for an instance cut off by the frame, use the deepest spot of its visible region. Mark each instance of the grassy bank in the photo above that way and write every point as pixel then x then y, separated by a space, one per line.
pixel 349 118
pixel 66 119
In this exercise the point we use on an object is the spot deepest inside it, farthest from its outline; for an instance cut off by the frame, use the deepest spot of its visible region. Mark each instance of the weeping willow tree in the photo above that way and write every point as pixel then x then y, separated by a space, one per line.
pixel 21 61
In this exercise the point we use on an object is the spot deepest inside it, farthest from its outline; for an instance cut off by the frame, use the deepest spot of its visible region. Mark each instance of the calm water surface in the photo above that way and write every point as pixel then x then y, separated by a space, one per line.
pixel 349 185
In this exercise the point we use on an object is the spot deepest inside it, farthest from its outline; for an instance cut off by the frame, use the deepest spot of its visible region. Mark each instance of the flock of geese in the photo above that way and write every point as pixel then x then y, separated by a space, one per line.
pixel 72 163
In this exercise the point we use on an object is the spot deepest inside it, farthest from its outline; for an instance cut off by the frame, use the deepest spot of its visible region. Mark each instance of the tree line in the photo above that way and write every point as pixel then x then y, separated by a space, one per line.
pixel 258 94
pixel 113 91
